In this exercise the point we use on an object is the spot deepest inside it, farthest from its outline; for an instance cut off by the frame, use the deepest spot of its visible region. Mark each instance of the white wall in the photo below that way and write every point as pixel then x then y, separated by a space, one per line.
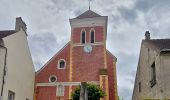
pixel 2 59
pixel 20 70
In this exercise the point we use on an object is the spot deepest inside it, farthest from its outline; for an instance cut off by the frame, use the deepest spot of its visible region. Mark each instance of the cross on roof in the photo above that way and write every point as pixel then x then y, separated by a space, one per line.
pixel 89 3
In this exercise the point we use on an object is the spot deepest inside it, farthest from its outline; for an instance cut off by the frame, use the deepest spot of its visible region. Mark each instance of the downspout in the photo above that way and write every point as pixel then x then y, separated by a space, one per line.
pixel 4 71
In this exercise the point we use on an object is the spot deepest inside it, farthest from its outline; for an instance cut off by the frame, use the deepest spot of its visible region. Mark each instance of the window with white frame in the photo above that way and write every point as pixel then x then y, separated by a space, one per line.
pixel 52 78
pixel 83 37
pixel 61 64
pixel 92 36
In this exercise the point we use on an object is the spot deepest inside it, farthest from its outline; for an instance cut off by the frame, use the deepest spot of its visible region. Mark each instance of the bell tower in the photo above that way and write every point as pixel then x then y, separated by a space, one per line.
pixel 89 27
pixel 88 58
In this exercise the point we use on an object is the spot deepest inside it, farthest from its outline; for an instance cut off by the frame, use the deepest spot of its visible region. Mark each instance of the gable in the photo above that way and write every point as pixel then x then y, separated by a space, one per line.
pixel 88 14
pixel 109 53
pixel 62 53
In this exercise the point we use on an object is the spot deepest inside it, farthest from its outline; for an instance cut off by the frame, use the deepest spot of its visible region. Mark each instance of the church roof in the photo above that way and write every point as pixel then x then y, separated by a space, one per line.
pixel 6 33
pixel 88 14
pixel 160 43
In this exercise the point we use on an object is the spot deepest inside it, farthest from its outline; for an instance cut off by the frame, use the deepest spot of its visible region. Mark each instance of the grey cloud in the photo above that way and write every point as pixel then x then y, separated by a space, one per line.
pixel 42 45
pixel 68 5
pixel 145 5
pixel 126 93
pixel 78 12
pixel 128 14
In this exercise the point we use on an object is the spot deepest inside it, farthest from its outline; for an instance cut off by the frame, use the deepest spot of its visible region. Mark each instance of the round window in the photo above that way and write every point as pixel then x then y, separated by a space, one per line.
pixel 52 78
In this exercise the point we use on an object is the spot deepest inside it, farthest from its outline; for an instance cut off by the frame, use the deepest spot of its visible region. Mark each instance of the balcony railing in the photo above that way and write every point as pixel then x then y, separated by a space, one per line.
pixel 153 81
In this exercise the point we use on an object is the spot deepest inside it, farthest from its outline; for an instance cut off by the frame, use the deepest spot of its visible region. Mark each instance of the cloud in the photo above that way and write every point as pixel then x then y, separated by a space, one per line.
pixel 49 28
pixel 128 14
pixel 42 46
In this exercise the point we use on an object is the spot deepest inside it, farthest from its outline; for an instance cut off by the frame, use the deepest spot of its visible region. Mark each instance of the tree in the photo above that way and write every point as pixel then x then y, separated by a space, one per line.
pixel 94 92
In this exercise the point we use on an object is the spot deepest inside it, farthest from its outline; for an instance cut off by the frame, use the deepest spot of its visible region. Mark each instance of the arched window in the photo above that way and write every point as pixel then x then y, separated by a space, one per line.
pixel 61 64
pixel 83 37
pixel 92 37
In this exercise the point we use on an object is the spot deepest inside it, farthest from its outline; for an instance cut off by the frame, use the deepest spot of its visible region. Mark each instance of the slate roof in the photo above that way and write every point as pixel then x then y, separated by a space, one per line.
pixel 6 33
pixel 160 43
pixel 88 14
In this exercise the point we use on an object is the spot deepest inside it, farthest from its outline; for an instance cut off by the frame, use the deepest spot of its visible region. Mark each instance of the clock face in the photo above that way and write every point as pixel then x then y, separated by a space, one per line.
pixel 87 48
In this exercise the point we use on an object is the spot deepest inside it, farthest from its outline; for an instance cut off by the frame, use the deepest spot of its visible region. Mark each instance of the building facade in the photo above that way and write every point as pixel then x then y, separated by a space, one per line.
pixel 84 59
pixel 153 71
pixel 2 63
pixel 19 73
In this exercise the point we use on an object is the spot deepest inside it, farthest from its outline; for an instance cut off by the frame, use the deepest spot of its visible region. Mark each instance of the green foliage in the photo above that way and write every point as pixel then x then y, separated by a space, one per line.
pixel 94 92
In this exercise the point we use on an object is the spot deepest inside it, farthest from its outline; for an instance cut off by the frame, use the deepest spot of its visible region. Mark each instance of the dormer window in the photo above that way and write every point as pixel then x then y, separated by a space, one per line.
pixel 83 37
pixel 61 64
pixel 92 36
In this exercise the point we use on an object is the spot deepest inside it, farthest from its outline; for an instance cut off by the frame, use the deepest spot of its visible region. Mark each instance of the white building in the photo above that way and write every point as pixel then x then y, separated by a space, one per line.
pixel 153 71
pixel 19 73
pixel 2 63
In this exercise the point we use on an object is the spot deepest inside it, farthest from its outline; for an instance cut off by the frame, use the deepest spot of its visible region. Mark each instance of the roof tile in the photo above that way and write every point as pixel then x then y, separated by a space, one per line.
pixel 6 33
pixel 88 14
pixel 160 43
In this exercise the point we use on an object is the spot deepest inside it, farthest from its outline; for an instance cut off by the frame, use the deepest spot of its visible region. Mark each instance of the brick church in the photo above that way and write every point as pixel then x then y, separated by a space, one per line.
pixel 83 59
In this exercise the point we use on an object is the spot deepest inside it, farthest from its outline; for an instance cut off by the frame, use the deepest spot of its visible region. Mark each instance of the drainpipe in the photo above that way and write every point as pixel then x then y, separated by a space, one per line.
pixel 4 71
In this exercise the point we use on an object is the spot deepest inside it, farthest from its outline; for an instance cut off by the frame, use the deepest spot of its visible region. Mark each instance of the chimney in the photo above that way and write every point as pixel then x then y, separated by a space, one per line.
pixel 147 35
pixel 20 24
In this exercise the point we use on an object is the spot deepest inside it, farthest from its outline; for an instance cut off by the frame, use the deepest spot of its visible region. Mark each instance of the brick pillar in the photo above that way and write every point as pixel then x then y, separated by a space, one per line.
pixel 104 84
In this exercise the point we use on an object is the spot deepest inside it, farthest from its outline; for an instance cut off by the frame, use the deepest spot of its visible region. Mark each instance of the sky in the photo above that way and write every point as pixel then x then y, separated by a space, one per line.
pixel 49 30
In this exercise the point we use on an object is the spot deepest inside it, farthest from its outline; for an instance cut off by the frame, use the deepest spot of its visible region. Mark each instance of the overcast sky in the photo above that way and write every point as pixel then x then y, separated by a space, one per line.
pixel 49 30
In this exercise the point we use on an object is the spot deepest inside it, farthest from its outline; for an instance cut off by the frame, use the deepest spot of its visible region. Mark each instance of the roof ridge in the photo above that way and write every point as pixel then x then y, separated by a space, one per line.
pixel 5 33
pixel 161 39
pixel 88 14
pixel 159 43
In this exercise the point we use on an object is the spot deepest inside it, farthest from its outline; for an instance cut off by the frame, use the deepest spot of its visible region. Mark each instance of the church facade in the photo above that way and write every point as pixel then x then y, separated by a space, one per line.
pixel 84 59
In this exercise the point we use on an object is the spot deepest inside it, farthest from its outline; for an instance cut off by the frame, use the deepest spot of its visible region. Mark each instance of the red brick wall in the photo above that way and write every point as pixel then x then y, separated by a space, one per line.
pixel 98 34
pixel 86 65
pixel 46 93
pixel 49 93
pixel 111 76
pixel 51 69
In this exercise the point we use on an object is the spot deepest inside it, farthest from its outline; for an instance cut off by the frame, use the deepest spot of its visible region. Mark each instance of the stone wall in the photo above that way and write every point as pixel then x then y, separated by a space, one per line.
pixel 148 56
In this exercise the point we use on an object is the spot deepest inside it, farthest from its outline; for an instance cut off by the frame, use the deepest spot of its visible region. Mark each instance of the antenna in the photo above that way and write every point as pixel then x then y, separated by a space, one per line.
pixel 89 3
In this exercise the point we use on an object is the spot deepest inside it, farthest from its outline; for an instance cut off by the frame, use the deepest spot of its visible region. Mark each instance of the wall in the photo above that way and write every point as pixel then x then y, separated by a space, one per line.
pixel 49 93
pixel 165 79
pixel 2 60
pixel 161 89
pixel 20 70
pixel 146 58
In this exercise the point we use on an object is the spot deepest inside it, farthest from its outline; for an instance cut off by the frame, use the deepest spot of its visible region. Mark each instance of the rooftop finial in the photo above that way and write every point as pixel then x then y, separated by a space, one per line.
pixel 89 3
